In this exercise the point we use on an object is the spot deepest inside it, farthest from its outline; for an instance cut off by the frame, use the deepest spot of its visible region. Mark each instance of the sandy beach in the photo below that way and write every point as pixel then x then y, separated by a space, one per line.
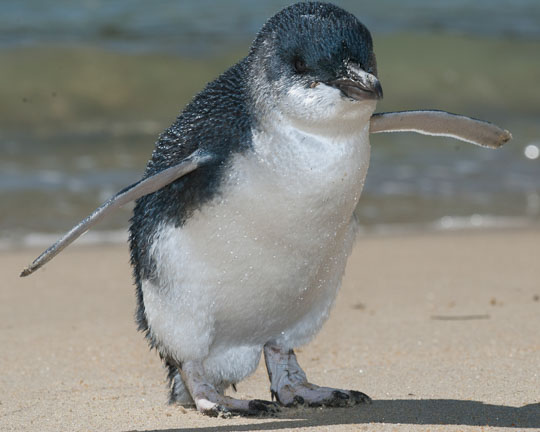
pixel 440 329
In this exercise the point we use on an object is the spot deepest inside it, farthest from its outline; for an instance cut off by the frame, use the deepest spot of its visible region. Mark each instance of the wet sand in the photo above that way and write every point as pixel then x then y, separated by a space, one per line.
pixel 440 329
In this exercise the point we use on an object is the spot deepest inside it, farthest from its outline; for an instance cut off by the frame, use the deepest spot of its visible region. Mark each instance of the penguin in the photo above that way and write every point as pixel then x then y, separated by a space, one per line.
pixel 244 218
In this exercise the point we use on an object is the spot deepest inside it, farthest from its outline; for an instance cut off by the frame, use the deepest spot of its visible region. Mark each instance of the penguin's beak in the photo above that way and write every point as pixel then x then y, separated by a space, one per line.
pixel 358 84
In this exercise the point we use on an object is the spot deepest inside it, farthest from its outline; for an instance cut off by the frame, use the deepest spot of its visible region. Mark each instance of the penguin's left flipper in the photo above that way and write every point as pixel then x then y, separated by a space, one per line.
pixel 441 123
pixel 130 193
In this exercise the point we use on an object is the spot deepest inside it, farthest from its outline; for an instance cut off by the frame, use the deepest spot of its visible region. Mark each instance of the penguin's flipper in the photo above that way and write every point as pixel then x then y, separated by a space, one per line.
pixel 441 123
pixel 130 193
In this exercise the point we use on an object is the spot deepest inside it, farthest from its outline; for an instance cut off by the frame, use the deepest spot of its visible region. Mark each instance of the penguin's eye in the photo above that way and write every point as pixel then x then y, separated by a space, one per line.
pixel 300 65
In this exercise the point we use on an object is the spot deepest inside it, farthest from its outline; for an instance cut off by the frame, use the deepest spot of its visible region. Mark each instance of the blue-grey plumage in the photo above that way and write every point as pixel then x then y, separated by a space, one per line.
pixel 247 252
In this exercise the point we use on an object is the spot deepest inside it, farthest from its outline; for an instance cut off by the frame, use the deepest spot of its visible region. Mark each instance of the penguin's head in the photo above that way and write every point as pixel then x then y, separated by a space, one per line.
pixel 314 62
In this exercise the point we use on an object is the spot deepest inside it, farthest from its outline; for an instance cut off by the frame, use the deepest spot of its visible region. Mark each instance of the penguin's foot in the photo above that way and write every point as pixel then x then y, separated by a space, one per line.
pixel 212 403
pixel 289 385
pixel 316 396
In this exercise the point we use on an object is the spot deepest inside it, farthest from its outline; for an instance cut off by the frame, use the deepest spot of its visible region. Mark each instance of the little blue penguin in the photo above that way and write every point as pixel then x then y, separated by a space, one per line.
pixel 244 217
pixel 246 254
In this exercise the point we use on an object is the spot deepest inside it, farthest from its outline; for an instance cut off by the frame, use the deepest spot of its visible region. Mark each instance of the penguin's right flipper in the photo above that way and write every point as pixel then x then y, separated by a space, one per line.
pixel 130 193
pixel 441 123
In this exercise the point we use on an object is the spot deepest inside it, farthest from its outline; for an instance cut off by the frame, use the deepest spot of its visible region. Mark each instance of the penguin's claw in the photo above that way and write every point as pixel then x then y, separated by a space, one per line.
pixel 263 407
pixel 360 397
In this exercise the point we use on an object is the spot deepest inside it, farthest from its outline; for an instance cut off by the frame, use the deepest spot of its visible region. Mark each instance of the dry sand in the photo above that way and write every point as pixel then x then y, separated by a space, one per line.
pixel 442 330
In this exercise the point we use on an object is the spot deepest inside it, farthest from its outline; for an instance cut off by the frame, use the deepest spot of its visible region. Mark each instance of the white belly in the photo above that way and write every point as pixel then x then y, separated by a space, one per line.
pixel 263 261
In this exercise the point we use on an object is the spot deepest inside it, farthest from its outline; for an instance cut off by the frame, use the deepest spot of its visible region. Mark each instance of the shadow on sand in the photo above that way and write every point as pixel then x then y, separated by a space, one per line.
pixel 414 412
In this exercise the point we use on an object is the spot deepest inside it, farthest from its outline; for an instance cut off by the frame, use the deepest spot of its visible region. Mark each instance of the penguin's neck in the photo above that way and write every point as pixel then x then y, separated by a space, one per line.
pixel 310 149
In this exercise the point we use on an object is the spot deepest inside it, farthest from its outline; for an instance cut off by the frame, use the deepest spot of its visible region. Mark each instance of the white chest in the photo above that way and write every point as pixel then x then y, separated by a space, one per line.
pixel 272 247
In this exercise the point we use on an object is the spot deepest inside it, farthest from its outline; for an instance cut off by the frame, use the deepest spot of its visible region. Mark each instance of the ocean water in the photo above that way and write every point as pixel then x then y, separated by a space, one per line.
pixel 87 86
pixel 202 26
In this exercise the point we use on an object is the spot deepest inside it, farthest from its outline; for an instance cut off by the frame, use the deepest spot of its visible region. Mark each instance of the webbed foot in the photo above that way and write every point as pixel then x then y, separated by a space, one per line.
pixel 212 403
pixel 290 387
